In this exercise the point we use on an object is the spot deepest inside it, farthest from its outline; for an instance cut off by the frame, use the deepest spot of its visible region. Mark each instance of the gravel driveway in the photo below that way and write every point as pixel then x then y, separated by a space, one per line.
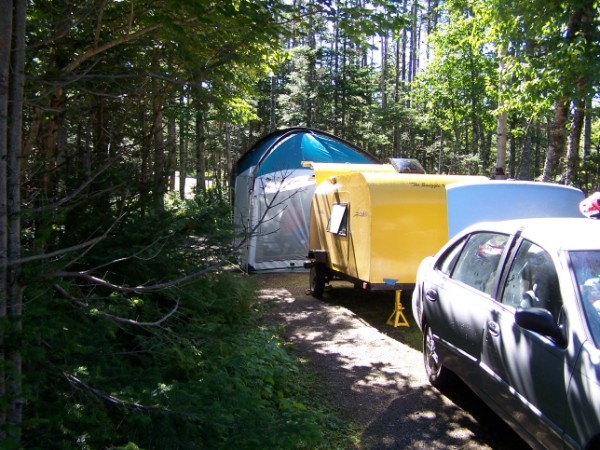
pixel 373 375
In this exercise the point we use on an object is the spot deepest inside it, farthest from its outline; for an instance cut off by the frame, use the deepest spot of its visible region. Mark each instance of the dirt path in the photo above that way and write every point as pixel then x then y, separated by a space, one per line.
pixel 375 377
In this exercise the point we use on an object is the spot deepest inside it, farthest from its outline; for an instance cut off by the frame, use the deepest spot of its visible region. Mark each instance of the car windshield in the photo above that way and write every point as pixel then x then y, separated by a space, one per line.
pixel 586 265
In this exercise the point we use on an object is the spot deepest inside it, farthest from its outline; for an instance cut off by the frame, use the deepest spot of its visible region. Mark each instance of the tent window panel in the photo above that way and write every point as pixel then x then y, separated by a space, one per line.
pixel 338 222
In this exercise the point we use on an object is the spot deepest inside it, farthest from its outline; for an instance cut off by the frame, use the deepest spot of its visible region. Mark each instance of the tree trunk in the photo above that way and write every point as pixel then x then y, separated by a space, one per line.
pixel 143 183
pixel 581 20
pixel 171 151
pixel 558 137
pixel 523 171
pixel 571 172
pixel 15 290
pixel 587 146
pixel 5 61
pixel 311 73
pixel 383 75
pixel 397 89
pixel 200 157
pixel 404 49
pixel 589 23
pixel 273 104
pixel 341 113
pixel 228 158
pixel 182 156
pixel 159 185
pixel 500 170
pixel 12 55
pixel 584 18
pixel 413 41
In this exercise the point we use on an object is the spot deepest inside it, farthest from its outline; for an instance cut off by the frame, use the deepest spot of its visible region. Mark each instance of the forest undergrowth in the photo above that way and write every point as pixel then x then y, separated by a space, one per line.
pixel 191 366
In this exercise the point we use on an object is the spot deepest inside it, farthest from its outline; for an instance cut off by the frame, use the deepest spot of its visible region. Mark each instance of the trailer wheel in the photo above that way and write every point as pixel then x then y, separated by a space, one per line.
pixel 317 279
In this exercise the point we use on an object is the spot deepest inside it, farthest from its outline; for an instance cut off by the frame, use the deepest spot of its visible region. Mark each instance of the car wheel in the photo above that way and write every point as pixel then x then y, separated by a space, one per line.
pixel 438 374
pixel 317 280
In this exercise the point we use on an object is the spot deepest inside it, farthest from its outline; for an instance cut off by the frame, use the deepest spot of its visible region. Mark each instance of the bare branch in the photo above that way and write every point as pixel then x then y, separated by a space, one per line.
pixel 68 296
pixel 54 254
pixel 74 193
pixel 83 304
pixel 87 245
pixel 143 324
pixel 110 399
pixel 141 289
pixel 108 45
pixel 135 255
pixel 276 201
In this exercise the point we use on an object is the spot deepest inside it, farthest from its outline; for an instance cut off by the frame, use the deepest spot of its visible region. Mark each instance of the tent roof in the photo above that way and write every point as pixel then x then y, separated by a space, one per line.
pixel 286 149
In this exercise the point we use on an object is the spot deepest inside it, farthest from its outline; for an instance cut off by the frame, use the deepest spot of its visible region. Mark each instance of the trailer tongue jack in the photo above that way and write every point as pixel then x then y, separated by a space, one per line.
pixel 398 319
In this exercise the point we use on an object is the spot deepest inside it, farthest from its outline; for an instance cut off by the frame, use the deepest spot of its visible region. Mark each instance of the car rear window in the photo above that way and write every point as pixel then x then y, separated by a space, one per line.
pixel 478 262
pixel 448 261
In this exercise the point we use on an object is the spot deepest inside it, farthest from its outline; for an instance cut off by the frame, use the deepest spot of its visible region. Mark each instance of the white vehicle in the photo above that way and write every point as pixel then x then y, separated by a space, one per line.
pixel 512 308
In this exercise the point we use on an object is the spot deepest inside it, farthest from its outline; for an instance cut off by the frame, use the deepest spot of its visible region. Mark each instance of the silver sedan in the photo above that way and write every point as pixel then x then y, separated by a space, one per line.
pixel 513 309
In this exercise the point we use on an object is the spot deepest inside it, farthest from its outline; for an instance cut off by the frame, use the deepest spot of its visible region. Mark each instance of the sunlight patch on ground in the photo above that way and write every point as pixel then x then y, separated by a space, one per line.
pixel 279 294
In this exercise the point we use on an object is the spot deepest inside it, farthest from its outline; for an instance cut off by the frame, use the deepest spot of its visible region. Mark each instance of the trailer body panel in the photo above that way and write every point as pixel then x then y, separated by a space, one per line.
pixel 374 225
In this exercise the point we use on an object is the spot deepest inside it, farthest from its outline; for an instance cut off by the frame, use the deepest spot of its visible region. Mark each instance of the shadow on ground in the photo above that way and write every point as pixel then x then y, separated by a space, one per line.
pixel 374 373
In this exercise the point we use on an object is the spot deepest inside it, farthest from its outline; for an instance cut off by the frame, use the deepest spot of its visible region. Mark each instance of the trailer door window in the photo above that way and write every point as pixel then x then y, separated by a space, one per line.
pixel 338 222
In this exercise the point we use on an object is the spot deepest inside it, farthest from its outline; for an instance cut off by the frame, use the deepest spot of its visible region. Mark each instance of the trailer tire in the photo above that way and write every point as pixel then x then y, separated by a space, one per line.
pixel 317 279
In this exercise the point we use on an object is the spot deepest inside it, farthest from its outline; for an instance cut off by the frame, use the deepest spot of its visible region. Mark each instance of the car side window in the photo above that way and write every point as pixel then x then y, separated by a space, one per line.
pixel 532 280
pixel 448 261
pixel 477 264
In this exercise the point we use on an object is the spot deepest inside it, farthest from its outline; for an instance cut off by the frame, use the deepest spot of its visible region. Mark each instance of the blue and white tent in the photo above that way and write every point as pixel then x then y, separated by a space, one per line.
pixel 273 192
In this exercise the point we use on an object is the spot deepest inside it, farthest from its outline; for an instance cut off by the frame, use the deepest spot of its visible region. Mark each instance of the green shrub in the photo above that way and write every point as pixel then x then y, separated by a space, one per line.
pixel 188 367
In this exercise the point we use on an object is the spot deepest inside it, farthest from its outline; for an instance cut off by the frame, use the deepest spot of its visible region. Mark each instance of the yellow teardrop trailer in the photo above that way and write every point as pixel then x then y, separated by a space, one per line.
pixel 372 226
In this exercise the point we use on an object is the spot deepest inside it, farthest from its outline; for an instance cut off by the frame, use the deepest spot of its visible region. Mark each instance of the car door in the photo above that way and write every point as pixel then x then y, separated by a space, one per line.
pixel 458 299
pixel 527 371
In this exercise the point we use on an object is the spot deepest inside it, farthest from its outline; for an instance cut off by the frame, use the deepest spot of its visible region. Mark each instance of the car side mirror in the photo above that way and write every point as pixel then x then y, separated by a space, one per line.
pixel 541 321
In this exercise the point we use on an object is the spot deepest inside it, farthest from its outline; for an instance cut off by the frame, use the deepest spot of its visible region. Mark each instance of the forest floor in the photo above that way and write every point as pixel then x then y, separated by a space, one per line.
pixel 372 372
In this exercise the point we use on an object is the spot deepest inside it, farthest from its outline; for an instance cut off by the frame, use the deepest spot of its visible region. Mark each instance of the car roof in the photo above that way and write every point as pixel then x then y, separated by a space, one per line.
pixel 551 232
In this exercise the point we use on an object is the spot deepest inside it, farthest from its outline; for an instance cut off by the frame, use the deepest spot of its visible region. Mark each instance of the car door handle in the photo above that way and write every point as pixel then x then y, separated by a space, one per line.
pixel 493 328
pixel 432 295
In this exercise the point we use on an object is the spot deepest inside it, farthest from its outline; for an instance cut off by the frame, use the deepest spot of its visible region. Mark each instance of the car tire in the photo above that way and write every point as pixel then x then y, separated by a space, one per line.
pixel 317 280
pixel 437 373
